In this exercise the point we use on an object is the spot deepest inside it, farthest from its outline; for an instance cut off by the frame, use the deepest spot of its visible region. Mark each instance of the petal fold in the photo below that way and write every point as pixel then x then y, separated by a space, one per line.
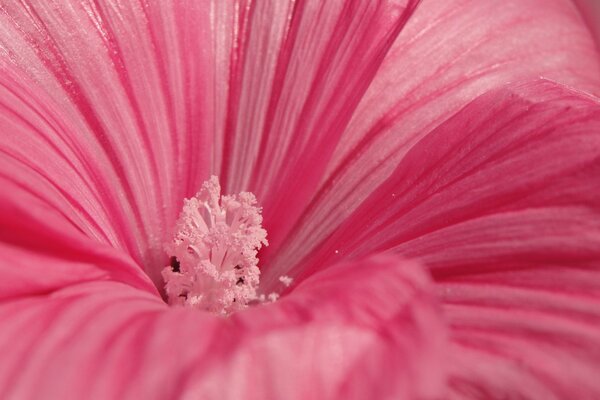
pixel 502 204
pixel 104 115
pixel 530 332
pixel 445 57
pixel 368 328
pixel 478 166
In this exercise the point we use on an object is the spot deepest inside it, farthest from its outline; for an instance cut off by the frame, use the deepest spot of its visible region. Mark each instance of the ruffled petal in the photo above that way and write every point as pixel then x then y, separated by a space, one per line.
pixel 448 54
pixel 362 329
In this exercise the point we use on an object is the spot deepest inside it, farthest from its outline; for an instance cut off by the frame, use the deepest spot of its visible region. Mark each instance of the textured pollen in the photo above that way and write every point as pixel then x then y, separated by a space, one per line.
pixel 213 252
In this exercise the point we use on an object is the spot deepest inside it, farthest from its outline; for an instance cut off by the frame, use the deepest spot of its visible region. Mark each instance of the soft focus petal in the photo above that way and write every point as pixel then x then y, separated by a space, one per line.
pixel 590 10
pixel 449 53
pixel 502 203
pixel 357 330
pixel 529 332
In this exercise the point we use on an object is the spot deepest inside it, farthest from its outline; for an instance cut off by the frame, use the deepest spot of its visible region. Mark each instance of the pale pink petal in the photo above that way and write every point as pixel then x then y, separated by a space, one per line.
pixel 357 330
pixel 449 53
pixel 502 203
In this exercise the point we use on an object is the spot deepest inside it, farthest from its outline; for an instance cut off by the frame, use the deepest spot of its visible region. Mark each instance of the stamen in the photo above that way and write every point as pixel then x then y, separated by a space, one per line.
pixel 286 280
pixel 213 253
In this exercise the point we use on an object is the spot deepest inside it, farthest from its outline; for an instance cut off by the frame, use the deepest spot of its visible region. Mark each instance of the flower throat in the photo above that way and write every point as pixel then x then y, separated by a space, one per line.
pixel 213 252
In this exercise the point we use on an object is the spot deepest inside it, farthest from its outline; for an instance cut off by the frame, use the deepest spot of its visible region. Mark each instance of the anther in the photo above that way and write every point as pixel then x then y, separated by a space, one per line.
pixel 213 264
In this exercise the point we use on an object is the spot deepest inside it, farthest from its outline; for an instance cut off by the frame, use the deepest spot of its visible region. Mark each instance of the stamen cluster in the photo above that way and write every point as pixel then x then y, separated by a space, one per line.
pixel 214 251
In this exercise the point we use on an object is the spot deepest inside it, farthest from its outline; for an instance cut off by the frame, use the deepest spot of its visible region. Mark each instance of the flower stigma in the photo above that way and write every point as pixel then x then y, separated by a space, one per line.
pixel 214 264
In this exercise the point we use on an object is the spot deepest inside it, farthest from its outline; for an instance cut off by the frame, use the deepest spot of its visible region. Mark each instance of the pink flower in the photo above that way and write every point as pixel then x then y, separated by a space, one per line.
pixel 428 177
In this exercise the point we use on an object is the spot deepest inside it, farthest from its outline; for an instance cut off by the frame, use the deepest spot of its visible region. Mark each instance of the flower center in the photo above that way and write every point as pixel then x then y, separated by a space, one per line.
pixel 213 252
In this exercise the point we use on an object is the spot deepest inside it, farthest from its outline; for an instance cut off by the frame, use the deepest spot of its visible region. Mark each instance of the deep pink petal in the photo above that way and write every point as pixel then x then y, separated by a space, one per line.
pixel 448 54
pixel 502 203
pixel 590 11
pixel 358 330
pixel 525 148
pixel 38 259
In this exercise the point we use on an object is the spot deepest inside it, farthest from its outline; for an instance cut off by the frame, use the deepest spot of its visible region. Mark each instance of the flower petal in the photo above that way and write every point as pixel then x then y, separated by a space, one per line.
pixel 110 107
pixel 360 329
pixel 138 101
pixel 300 68
pixel 529 332
pixel 502 203
pixel 590 11
pixel 477 164
pixel 448 54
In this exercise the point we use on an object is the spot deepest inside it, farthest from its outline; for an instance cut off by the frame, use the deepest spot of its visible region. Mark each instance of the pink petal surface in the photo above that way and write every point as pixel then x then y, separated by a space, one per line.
pixel 530 332
pixel 105 119
pixel 448 54
pixel 141 125
pixel 368 328
pixel 107 125
pixel 530 148
pixel 590 11
pixel 501 202
pixel 135 104
pixel 294 89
